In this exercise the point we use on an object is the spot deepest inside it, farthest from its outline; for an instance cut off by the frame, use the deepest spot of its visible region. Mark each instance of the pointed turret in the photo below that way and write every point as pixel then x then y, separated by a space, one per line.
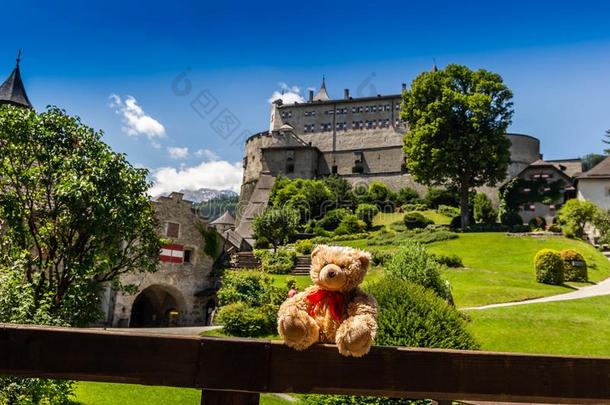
pixel 12 90
pixel 434 68
pixel 322 94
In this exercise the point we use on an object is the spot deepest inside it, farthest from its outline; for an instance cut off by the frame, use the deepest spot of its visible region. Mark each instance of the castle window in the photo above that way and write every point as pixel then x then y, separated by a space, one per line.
pixel 172 230
pixel 329 112
pixel 397 106
pixel 188 256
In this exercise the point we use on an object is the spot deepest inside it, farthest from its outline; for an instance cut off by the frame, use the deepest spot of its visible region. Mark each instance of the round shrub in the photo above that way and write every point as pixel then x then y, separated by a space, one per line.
pixel 366 213
pixel 549 267
pixel 511 218
pixel 240 319
pixel 350 224
pixel 574 265
pixel 303 246
pixel 332 219
pixel 413 263
pixel 454 261
pixel 415 220
pixel 380 257
pixel 537 223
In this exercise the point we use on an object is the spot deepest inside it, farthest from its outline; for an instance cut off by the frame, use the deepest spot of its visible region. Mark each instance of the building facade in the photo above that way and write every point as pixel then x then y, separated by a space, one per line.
pixel 182 290
pixel 594 185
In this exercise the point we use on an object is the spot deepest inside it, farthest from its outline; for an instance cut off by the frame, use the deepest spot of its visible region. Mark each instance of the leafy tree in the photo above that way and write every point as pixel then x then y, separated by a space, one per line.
pixel 483 209
pixel 406 195
pixel 340 190
pixel 601 220
pixel 276 225
pixel 350 224
pixel 457 124
pixel 380 193
pixel 366 213
pixel 75 213
pixel 591 160
pixel 436 197
pixel 575 215
pixel 606 140
pixel 312 198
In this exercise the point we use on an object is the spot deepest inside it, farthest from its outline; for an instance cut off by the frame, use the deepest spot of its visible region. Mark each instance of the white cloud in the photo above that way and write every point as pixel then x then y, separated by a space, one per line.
pixel 207 154
pixel 288 94
pixel 178 153
pixel 136 121
pixel 218 175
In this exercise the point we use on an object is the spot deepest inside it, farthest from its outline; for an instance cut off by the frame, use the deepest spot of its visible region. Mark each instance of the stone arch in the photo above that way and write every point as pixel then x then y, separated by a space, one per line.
pixel 158 305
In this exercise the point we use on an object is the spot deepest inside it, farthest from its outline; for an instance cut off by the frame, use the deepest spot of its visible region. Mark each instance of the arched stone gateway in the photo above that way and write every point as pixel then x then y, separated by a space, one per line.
pixel 158 306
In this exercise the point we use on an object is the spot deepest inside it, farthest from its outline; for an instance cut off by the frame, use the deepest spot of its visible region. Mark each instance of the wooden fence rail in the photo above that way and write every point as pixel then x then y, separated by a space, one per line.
pixel 234 371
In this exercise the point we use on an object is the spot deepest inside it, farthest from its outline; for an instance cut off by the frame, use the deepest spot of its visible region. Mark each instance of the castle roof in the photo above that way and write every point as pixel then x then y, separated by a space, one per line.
pixel 224 219
pixel 12 91
pixel 322 94
pixel 600 171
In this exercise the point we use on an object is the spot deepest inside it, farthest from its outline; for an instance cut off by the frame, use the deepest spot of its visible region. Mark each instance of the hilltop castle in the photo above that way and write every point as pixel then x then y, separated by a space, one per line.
pixel 359 139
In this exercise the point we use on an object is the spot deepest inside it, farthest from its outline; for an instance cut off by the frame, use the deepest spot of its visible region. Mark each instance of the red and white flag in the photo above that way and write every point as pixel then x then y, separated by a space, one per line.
pixel 172 253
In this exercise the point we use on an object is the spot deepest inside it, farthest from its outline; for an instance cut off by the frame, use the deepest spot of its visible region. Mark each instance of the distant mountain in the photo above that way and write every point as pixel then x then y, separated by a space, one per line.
pixel 207 194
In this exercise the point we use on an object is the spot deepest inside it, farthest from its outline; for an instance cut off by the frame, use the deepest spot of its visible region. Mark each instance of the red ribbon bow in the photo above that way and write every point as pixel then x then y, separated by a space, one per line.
pixel 333 299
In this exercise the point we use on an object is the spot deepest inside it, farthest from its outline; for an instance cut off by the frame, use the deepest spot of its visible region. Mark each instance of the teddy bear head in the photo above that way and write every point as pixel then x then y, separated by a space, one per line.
pixel 338 268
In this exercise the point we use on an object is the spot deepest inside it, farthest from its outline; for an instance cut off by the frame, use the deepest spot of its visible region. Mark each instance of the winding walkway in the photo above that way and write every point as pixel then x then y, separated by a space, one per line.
pixel 599 289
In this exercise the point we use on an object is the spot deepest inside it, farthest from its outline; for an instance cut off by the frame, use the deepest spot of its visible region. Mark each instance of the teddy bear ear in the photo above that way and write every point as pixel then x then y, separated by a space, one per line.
pixel 316 250
pixel 365 258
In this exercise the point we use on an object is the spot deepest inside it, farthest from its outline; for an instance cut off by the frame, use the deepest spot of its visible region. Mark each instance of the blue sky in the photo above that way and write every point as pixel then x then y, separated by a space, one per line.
pixel 555 56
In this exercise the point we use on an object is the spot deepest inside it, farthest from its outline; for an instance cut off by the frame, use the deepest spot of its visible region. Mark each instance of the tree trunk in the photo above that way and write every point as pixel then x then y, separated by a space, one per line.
pixel 464 206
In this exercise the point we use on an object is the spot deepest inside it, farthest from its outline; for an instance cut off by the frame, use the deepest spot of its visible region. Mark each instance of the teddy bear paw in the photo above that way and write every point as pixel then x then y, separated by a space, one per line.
pixel 298 329
pixel 355 343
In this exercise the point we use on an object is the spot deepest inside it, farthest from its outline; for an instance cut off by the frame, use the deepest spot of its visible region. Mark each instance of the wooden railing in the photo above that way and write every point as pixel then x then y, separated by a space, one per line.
pixel 234 371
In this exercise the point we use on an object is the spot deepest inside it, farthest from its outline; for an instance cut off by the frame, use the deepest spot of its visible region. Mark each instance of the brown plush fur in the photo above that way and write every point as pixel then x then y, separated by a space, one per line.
pixel 333 268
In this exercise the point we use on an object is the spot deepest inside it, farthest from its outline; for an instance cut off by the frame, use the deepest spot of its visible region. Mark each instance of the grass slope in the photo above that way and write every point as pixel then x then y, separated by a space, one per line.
pixel 578 327
pixel 393 217
pixel 499 267
pixel 90 393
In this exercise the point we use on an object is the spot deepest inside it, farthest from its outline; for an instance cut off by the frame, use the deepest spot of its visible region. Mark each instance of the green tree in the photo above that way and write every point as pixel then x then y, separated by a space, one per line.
pixel 312 198
pixel 80 211
pixel 276 225
pixel 340 190
pixel 74 215
pixel 591 160
pixel 575 215
pixel 601 220
pixel 457 124
pixel 483 209
pixel 380 193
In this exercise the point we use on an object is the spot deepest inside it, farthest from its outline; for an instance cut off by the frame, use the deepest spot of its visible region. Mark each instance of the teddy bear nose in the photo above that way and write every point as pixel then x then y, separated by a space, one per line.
pixel 331 274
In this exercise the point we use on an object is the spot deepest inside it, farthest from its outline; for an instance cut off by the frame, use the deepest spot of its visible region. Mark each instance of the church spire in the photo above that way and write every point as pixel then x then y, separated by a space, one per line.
pixel 434 68
pixel 322 94
pixel 12 91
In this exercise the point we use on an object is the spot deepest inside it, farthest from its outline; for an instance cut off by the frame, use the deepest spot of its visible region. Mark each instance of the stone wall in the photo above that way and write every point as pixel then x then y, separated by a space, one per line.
pixel 173 285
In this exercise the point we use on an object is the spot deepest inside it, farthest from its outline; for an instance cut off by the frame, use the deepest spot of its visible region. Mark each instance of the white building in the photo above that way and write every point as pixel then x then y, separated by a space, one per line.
pixel 594 185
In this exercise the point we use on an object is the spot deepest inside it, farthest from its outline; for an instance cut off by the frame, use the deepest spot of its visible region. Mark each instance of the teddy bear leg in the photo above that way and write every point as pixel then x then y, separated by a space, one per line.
pixel 355 336
pixel 298 329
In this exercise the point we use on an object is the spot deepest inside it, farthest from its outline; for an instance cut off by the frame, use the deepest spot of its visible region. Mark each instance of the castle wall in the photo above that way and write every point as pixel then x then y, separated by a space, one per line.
pixel 182 281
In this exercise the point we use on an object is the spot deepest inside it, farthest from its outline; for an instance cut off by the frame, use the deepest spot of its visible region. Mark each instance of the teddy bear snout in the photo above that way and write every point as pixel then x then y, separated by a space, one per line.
pixel 332 277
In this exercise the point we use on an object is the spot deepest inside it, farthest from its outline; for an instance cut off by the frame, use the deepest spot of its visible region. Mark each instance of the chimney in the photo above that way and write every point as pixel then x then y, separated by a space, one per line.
pixel 346 94
pixel 404 86
pixel 310 96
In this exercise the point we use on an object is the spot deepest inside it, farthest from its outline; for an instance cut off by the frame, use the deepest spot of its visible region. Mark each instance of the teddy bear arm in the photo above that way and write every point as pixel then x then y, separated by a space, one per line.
pixel 294 324
pixel 356 334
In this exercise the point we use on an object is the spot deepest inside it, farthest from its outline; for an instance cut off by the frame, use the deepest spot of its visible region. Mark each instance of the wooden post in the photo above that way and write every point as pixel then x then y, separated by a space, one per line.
pixel 211 397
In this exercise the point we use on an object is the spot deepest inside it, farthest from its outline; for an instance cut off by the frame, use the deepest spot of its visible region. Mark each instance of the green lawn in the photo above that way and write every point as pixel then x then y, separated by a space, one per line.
pixel 390 218
pixel 578 327
pixel 499 267
pixel 89 393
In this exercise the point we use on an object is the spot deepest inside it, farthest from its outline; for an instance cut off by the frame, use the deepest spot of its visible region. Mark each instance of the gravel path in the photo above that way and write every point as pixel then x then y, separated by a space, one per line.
pixel 599 289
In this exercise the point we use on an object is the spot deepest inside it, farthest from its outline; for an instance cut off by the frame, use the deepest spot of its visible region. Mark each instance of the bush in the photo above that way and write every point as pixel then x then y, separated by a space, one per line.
pixel 549 267
pixel 574 216
pixel 350 224
pixel 511 218
pixel 406 195
pixel 304 246
pixel 409 315
pixel 439 196
pixel 278 262
pixel 413 207
pixel 537 223
pixel 448 260
pixel 380 193
pixel 275 225
pixel 380 257
pixel 574 266
pixel 483 209
pixel 412 263
pixel 249 303
pixel 413 220
pixel 262 243
pixel 332 219
pixel 448 210
pixel 366 213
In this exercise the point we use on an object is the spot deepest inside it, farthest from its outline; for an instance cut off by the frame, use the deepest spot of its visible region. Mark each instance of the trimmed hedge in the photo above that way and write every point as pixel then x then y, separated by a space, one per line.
pixel 413 220
pixel 549 267
pixel 304 246
pixel 574 265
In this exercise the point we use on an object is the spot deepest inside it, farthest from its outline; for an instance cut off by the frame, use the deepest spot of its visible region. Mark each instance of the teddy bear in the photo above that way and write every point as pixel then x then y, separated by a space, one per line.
pixel 334 309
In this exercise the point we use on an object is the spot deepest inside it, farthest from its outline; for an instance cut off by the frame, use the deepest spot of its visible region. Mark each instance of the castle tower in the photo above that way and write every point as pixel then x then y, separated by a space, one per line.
pixel 12 91
pixel 322 94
